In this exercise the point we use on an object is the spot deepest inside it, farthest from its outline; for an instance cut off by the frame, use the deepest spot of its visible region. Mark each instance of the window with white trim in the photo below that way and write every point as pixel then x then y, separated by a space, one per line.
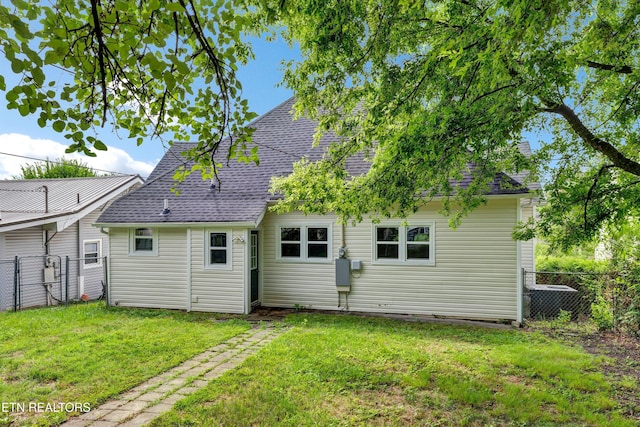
pixel 143 241
pixel 218 250
pixel 298 242
pixel 412 244
pixel 92 253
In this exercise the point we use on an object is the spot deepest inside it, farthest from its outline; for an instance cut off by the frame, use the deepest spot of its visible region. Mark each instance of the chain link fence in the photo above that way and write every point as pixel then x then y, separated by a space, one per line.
pixel 547 294
pixel 45 280
pixel 583 295
pixel 7 272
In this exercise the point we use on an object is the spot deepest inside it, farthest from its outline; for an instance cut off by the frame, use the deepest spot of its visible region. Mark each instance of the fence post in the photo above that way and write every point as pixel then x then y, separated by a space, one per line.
pixel 15 284
pixel 66 281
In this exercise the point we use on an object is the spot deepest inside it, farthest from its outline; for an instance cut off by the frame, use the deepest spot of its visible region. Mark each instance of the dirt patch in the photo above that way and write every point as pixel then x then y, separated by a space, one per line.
pixel 622 367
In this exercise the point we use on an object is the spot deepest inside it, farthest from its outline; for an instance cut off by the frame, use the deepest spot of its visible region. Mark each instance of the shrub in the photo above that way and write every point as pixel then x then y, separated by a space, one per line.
pixel 601 313
pixel 572 264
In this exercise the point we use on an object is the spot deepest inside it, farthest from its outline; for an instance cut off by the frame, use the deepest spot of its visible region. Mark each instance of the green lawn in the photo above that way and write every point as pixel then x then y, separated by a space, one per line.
pixel 88 353
pixel 344 370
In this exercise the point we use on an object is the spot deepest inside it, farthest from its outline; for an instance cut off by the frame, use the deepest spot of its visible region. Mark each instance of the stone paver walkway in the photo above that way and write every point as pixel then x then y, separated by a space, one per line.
pixel 157 395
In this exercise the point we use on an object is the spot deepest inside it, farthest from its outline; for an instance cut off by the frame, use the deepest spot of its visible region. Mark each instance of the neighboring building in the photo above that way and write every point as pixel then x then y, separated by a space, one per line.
pixel 223 250
pixel 42 221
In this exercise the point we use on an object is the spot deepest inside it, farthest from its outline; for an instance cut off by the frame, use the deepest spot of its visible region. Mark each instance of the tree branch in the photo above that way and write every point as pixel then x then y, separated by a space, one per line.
pixel 102 49
pixel 622 69
pixel 616 157
pixel 590 193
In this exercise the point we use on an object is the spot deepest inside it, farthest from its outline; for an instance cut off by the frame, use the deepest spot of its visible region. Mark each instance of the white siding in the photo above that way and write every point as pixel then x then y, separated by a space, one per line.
pixel 475 272
pixel 24 242
pixel 161 281
pixel 6 277
pixel 63 244
pixel 149 281
pixel 91 274
pixel 528 261
pixel 217 290
pixel 27 243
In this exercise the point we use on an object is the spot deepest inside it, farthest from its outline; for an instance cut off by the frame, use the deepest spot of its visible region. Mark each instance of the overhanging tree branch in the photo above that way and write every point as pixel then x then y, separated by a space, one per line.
pixel 622 69
pixel 598 144
pixel 590 193
pixel 102 52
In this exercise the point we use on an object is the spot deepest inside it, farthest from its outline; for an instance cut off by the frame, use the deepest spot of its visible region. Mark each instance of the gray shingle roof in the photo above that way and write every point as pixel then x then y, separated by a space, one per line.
pixel 244 190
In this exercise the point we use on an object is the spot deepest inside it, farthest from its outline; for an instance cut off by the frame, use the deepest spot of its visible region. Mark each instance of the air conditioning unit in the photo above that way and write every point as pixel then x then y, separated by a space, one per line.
pixel 546 301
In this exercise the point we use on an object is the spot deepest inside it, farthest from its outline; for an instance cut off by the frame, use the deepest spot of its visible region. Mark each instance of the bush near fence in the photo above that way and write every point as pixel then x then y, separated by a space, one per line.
pixel 610 297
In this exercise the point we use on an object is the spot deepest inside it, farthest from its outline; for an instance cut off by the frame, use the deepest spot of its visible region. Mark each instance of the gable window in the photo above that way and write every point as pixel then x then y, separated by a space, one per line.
pixel 404 244
pixel 144 241
pixel 92 253
pixel 310 243
pixel 218 250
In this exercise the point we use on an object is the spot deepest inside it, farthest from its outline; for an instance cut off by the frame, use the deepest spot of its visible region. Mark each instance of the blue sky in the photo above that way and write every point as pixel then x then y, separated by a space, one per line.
pixel 22 136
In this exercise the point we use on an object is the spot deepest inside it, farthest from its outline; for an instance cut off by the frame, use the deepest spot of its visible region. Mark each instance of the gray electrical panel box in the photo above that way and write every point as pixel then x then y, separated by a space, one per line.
pixel 343 275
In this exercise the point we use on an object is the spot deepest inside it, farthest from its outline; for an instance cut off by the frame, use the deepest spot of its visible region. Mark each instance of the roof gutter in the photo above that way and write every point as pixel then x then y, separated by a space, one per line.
pixel 238 224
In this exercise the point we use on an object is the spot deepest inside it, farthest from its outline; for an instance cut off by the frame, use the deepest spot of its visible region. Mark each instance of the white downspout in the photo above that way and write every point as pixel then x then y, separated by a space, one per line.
pixel 108 266
pixel 188 269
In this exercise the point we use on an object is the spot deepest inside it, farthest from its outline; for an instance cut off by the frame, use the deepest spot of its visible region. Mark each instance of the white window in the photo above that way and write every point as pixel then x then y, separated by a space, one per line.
pixel 218 249
pixel 92 253
pixel 308 243
pixel 143 241
pixel 411 244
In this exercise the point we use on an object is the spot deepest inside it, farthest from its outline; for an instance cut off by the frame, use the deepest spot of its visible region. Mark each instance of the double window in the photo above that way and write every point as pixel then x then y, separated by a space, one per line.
pixel 144 241
pixel 399 243
pixel 92 253
pixel 304 242
pixel 218 250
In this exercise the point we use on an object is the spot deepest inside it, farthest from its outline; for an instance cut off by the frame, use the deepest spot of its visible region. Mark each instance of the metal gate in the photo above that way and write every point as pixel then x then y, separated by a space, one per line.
pixel 39 281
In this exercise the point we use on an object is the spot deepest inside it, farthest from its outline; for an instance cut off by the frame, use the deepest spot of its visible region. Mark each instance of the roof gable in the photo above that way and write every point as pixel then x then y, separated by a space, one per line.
pixel 244 189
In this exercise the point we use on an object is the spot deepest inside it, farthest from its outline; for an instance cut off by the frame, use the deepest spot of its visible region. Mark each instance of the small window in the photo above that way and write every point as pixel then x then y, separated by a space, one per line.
pixel 306 243
pixel 317 242
pixel 92 253
pixel 144 241
pixel 418 242
pixel 290 242
pixel 387 242
pixel 404 244
pixel 218 250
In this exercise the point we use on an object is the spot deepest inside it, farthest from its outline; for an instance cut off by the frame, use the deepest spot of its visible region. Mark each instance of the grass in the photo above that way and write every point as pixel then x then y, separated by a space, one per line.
pixel 88 353
pixel 344 370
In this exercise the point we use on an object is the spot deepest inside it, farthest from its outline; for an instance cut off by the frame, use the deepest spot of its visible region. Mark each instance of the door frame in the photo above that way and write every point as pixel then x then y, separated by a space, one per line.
pixel 249 305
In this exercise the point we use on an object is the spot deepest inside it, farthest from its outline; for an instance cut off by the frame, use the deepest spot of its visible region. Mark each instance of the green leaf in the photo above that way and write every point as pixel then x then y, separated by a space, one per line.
pixel 17 66
pixel 174 7
pixel 99 145
pixel 58 125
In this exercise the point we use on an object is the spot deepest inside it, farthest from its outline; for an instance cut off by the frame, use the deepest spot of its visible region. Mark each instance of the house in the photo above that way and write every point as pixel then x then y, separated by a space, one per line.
pixel 223 250
pixel 44 221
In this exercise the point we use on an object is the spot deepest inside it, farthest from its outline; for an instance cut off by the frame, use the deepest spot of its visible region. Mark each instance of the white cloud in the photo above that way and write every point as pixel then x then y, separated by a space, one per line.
pixel 114 159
